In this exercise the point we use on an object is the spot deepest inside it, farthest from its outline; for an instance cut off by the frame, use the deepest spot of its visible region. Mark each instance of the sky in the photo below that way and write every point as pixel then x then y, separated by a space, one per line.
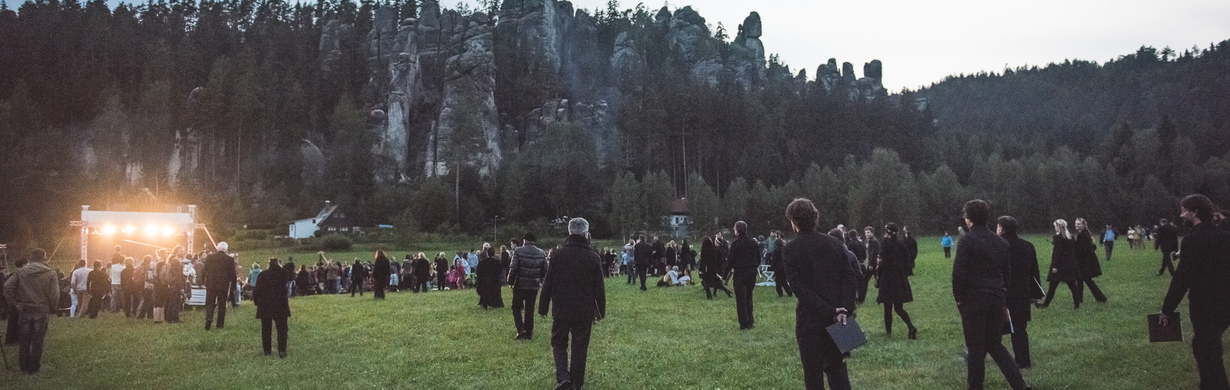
pixel 922 42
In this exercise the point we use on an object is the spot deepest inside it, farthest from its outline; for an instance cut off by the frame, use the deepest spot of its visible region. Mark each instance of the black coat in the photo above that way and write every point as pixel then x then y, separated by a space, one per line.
pixel 358 272
pixel 574 283
pixel 710 260
pixel 982 265
pixel 381 271
pixel 1167 238
pixel 822 277
pixel 643 252
pixel 1063 259
pixel 422 269
pixel 911 246
pixel 441 267
pixel 1024 277
pixel 1087 255
pixel 744 254
pixel 1202 275
pixel 487 282
pixel 219 271
pixel 894 285
pixel 269 295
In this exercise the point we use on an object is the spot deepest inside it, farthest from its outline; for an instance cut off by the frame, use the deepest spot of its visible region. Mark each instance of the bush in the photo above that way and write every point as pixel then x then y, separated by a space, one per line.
pixel 336 243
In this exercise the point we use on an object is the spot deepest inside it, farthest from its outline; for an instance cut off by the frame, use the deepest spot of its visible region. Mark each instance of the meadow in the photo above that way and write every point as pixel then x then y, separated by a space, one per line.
pixel 664 338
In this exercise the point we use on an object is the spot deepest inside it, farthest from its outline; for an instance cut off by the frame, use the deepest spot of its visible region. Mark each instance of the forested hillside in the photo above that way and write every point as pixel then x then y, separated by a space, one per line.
pixel 436 120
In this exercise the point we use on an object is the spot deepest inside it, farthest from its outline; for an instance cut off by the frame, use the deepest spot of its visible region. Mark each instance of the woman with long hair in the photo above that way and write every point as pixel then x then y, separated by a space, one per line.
pixel 710 267
pixel 1087 258
pixel 381 273
pixel 894 284
pixel 1064 267
pixel 487 280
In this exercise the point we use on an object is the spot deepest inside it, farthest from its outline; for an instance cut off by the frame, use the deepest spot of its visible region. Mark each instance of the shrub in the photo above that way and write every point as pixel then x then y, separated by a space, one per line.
pixel 335 243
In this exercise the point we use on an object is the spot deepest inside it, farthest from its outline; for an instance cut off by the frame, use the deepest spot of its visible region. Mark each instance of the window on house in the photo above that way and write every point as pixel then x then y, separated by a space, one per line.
pixel 332 229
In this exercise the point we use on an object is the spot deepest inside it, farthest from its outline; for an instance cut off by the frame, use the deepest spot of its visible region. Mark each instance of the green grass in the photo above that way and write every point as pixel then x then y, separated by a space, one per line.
pixel 663 338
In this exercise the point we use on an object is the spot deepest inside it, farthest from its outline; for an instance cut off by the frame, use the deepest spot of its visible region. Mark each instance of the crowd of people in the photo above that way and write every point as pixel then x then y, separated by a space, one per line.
pixel 996 281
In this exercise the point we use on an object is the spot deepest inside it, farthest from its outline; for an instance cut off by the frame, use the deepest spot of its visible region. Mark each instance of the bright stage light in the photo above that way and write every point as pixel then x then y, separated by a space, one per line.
pixel 130 229
pixel 108 230
pixel 151 230
pixel 167 231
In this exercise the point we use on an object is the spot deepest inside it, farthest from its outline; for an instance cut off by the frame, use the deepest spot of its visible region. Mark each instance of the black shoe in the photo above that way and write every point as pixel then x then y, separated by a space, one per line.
pixel 1023 366
pixel 642 289
pixel 913 333
pixel 207 325
pixel 282 354
pixel 565 385
pixel 267 353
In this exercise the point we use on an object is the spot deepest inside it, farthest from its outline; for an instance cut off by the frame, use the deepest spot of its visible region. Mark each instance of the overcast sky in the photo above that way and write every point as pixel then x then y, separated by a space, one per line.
pixel 921 42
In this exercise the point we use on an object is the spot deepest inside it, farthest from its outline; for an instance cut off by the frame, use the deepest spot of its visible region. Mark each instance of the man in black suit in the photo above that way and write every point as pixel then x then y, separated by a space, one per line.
pixel 743 258
pixel 1203 272
pixel 1025 280
pixel 825 281
pixel 644 258
pixel 872 247
pixel 574 284
pixel 219 282
pixel 1168 242
pixel 981 274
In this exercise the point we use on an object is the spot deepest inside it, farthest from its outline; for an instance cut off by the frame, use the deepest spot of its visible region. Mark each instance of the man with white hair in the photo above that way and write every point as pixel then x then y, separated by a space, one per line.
pixel 219 280
pixel 574 284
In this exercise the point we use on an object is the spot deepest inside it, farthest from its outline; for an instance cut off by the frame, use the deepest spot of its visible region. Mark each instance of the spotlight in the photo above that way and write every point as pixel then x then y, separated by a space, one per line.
pixel 151 230
pixel 130 230
pixel 167 231
pixel 108 230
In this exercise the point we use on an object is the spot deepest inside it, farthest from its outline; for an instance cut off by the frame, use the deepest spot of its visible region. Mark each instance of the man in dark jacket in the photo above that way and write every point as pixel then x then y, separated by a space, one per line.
pixel 644 258
pixel 574 285
pixel 272 306
pixel 659 257
pixel 743 258
pixel 1168 242
pixel 358 275
pixel 781 281
pixel 1202 277
pixel 1025 280
pixel 981 274
pixel 219 282
pixel 911 245
pixel 34 291
pixel 824 280
pixel 872 246
pixel 98 283
pixel 525 273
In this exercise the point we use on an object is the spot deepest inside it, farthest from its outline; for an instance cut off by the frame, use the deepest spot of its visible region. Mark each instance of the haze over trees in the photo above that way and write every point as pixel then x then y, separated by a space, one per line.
pixel 260 110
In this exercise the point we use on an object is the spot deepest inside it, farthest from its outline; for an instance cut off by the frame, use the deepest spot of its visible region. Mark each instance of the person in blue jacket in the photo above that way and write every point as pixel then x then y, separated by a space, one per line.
pixel 946 242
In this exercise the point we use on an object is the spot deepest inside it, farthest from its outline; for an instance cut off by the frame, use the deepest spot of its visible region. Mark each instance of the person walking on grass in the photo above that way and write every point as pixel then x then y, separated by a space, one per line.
pixel 644 259
pixel 743 258
pixel 272 306
pixel 1108 240
pixel 711 269
pixel 34 290
pixel 574 285
pixel 1087 257
pixel 98 283
pixel 1064 267
pixel 1168 242
pixel 981 276
pixel 525 273
pixel 894 282
pixel 1025 277
pixel 825 282
pixel 219 281
pixel 872 246
pixel 381 274
pixel 1202 277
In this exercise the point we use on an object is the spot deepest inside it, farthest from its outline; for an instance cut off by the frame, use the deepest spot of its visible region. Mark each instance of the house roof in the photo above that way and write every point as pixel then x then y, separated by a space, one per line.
pixel 679 206
pixel 322 215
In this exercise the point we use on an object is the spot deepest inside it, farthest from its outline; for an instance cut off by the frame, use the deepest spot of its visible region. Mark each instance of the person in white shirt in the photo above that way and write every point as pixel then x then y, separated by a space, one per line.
pixel 78 283
pixel 117 268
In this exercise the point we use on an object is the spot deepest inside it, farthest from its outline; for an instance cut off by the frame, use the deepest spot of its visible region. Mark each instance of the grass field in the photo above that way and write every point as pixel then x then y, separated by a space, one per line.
pixel 666 338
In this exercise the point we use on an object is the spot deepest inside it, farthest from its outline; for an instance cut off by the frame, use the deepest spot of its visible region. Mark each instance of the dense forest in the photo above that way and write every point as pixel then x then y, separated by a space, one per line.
pixel 439 120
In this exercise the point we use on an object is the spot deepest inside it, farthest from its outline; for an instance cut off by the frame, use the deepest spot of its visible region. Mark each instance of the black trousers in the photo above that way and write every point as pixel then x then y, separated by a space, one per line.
pixel 420 284
pixel 147 304
pixel 1074 286
pixel 267 325
pixel 712 283
pixel 1093 289
pixel 982 321
pixel 1110 247
pixel 31 331
pixel 95 304
pixel 573 370
pixel 216 297
pixel 356 285
pixel 629 269
pixel 132 301
pixel 640 271
pixel 745 282
pixel 523 305
pixel 782 284
pixel 821 358
pixel 1020 343
pixel 862 287
pixel 947 252
pixel 1167 263
pixel 12 329
pixel 1207 348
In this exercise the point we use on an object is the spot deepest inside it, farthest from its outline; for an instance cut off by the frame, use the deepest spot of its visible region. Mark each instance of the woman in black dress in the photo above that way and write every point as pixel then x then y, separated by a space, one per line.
pixel 1087 257
pixel 272 306
pixel 710 267
pixel 487 280
pixel 1064 267
pixel 893 282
